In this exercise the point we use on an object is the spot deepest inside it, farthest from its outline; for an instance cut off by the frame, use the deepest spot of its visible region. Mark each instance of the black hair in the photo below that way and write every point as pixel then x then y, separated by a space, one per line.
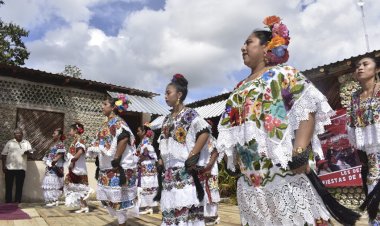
pixel 60 133
pixel 263 35
pixel 377 66
pixel 112 101
pixel 180 83
pixel 76 126
pixel 144 128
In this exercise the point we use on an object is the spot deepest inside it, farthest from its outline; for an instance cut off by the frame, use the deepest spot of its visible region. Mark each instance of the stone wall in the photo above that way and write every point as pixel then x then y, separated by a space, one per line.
pixel 76 104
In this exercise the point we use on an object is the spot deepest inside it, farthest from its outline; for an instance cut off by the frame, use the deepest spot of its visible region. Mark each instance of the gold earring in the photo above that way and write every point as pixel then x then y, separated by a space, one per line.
pixel 177 103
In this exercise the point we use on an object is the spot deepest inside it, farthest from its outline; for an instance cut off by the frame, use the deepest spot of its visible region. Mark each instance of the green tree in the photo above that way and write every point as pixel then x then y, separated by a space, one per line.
pixel 12 48
pixel 73 71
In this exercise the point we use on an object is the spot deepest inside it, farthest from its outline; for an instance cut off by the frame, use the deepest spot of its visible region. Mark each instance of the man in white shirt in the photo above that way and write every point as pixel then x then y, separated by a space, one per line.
pixel 14 161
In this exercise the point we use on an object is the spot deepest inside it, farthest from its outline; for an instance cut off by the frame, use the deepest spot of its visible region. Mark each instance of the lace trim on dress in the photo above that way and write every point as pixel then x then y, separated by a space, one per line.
pixel 52 181
pixel 171 149
pixel 364 137
pixel 280 152
pixel 116 194
pixel 284 202
pixel 179 198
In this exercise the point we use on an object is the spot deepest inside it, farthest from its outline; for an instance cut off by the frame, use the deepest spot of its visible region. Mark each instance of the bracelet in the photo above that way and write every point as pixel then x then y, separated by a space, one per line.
pixel 300 159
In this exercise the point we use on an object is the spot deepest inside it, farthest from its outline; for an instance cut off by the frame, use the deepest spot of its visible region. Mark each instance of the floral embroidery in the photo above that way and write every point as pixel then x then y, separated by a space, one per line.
pixel 177 128
pixel 180 134
pixel 176 178
pixel 107 132
pixel 265 101
pixel 185 214
pixel 74 145
pixel 111 179
pixel 366 112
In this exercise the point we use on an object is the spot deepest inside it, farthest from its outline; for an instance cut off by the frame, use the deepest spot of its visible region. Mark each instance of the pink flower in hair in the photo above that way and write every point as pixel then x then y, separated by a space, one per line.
pixel 281 30
pixel 177 76
pixel 149 133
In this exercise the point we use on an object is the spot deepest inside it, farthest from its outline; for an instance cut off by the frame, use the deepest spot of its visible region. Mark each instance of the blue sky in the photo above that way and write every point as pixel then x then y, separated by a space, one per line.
pixel 142 43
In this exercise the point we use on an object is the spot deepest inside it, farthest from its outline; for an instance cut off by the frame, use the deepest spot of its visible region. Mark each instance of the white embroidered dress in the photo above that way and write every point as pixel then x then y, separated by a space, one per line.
pixel 118 199
pixel 256 132
pixel 52 184
pixel 179 202
pixel 148 173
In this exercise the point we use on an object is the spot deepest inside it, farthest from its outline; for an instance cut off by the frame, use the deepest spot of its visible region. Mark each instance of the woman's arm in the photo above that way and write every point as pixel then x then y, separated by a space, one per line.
pixel 199 144
pixel 58 157
pixel 77 155
pixel 121 146
pixel 303 136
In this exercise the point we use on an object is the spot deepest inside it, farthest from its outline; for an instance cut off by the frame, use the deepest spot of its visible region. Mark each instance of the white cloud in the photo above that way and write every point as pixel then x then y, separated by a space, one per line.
pixel 200 39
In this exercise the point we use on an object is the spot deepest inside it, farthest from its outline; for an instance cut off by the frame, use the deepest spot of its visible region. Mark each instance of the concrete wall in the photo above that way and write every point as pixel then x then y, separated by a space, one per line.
pixel 32 191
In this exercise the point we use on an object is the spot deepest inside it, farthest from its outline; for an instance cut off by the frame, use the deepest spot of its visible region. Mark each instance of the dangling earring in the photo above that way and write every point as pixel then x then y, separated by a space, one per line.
pixel 177 102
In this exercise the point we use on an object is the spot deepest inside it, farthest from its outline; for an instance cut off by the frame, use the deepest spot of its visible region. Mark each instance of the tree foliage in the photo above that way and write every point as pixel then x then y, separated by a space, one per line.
pixel 12 48
pixel 73 71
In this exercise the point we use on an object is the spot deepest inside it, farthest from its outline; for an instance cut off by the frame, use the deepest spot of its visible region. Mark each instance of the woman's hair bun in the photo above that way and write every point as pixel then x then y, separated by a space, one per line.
pixel 180 80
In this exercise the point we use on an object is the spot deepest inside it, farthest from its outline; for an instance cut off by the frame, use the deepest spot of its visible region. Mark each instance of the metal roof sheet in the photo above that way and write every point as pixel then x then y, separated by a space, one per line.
pixel 143 104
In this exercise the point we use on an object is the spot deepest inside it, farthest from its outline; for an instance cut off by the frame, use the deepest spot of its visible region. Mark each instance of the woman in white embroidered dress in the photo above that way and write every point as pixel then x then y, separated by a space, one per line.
pixel 147 171
pixel 114 146
pixel 76 188
pixel 209 176
pixel 184 135
pixel 364 130
pixel 270 120
pixel 52 184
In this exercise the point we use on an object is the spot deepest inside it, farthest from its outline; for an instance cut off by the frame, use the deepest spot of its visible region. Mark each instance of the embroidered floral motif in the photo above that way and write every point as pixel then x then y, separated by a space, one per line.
pixel 111 179
pixel 364 112
pixel 176 178
pixel 180 135
pixel 148 170
pixel 185 214
pixel 265 101
pixel 178 127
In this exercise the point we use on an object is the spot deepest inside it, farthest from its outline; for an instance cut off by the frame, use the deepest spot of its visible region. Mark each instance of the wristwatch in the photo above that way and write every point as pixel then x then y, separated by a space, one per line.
pixel 298 150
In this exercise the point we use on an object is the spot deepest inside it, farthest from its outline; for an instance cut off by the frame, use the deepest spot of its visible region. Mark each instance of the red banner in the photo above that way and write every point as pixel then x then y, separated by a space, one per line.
pixel 343 178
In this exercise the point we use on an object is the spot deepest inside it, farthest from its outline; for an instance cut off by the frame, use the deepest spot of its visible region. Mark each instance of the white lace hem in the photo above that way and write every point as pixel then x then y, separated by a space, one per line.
pixel 285 201
pixel 74 192
pixel 149 181
pixel 211 210
pixel 147 200
pixel 116 194
pixel 279 151
pixel 188 223
pixel 52 181
pixel 215 196
pixel 177 198
pixel 364 137
pixel 51 195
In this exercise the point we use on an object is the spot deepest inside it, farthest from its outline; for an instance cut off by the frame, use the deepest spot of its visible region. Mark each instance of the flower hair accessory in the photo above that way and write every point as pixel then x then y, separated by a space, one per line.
pixel 79 129
pixel 176 77
pixel 149 134
pixel 122 104
pixel 277 47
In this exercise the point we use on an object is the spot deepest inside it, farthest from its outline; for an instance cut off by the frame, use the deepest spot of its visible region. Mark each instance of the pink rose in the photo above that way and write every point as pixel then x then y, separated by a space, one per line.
pixel 281 30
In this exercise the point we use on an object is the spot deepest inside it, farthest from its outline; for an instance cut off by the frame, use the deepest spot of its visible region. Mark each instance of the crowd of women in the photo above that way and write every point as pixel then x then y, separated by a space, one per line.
pixel 266 136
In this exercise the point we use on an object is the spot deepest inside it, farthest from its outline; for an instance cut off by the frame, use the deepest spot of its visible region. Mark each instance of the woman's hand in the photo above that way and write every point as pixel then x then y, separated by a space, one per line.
pixel 303 169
